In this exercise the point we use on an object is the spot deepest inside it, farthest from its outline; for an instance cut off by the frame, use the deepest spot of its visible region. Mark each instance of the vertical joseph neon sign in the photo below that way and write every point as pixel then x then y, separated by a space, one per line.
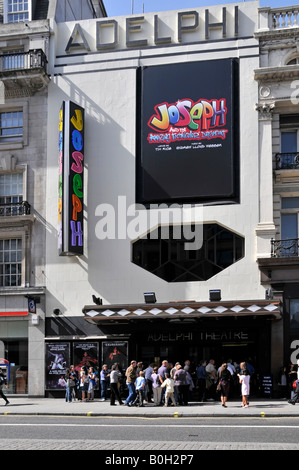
pixel 70 199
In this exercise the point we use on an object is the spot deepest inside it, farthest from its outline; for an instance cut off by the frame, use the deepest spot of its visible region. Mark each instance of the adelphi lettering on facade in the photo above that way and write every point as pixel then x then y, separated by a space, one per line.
pixel 188 336
pixel 140 29
pixel 224 335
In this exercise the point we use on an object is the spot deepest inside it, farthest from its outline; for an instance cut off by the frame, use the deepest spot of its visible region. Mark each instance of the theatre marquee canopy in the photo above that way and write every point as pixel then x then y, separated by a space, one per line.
pixel 183 311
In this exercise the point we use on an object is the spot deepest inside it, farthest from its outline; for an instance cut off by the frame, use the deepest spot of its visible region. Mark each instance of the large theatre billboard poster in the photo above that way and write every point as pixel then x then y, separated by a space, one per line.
pixel 115 352
pixel 187 133
pixel 86 355
pixel 57 362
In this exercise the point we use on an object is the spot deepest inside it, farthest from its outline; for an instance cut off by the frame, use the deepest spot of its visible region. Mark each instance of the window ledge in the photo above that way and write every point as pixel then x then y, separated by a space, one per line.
pixel 11 145
pixel 21 290
pixel 287 176
pixel 16 221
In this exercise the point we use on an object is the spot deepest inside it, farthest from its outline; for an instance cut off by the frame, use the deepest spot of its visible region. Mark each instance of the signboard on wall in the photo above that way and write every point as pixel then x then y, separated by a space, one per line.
pixel 57 361
pixel 187 133
pixel 71 165
pixel 115 351
pixel 267 385
pixel 85 354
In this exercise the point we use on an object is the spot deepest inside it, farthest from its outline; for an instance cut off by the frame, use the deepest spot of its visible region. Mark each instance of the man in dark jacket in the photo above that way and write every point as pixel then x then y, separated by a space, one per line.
pixel 201 380
pixel 3 382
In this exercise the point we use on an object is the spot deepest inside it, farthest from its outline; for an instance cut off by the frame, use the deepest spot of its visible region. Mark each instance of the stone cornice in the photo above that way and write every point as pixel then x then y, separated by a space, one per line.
pixel 265 35
pixel 277 74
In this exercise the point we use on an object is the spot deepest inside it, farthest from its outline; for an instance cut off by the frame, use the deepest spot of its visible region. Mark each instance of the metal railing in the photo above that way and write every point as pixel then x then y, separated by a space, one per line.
pixel 15 208
pixel 287 161
pixel 284 248
pixel 23 60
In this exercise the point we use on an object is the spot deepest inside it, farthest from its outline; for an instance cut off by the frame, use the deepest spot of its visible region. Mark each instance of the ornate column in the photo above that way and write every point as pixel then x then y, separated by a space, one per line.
pixel 266 228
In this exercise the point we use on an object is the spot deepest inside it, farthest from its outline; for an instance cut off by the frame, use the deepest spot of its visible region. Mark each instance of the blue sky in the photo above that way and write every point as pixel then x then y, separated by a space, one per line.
pixel 124 7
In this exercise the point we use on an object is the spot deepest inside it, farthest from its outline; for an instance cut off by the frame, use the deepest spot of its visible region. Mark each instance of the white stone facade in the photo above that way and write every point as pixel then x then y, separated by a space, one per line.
pixel 103 81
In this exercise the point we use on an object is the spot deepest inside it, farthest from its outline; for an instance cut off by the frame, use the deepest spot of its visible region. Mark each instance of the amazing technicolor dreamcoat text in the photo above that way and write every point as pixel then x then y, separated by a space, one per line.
pixel 186 120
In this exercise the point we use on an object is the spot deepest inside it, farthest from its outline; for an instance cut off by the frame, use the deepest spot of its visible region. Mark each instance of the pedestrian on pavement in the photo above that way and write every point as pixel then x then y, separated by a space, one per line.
pixel 234 384
pixel 292 375
pixel 180 378
pixel 83 383
pixel 148 383
pixel 139 387
pixel 211 379
pixel 224 382
pixel 295 397
pixel 162 371
pixel 169 387
pixel 104 379
pixel 244 378
pixel 172 372
pixel 91 384
pixel 70 385
pixel 201 380
pixel 3 382
pixel 130 382
pixel 74 376
pixel 189 380
pixel 157 390
pixel 115 376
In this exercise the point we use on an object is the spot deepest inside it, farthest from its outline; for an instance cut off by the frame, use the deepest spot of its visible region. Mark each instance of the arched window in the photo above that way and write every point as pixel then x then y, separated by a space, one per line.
pixel 293 60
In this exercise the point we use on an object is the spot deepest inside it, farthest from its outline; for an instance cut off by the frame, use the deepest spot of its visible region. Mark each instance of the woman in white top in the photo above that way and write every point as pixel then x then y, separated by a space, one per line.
pixel 244 378
pixel 115 375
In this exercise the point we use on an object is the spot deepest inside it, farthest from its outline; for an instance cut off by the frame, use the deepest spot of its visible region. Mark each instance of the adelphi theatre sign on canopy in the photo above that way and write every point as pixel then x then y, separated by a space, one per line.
pixel 164 28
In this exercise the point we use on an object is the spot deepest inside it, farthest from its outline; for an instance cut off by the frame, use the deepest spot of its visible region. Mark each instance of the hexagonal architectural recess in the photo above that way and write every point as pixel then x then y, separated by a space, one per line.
pixel 163 253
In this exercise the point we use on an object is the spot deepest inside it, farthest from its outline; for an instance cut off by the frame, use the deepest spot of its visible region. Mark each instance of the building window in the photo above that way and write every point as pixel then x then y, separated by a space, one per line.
pixel 294 316
pixel 12 60
pixel 10 262
pixel 293 60
pixel 168 259
pixel 11 194
pixel 288 141
pixel 288 158
pixel 11 126
pixel 17 11
pixel 289 226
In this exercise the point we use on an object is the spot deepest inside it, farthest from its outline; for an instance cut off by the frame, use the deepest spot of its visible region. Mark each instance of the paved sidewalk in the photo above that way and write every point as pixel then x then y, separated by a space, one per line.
pixel 52 406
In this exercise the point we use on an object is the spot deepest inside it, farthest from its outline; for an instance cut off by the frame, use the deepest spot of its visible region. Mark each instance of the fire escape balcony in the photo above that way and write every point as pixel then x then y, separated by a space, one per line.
pixel 24 73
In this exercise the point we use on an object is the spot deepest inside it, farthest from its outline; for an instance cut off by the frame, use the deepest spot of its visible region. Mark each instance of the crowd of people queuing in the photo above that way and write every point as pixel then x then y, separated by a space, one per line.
pixel 170 384
pixel 166 384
